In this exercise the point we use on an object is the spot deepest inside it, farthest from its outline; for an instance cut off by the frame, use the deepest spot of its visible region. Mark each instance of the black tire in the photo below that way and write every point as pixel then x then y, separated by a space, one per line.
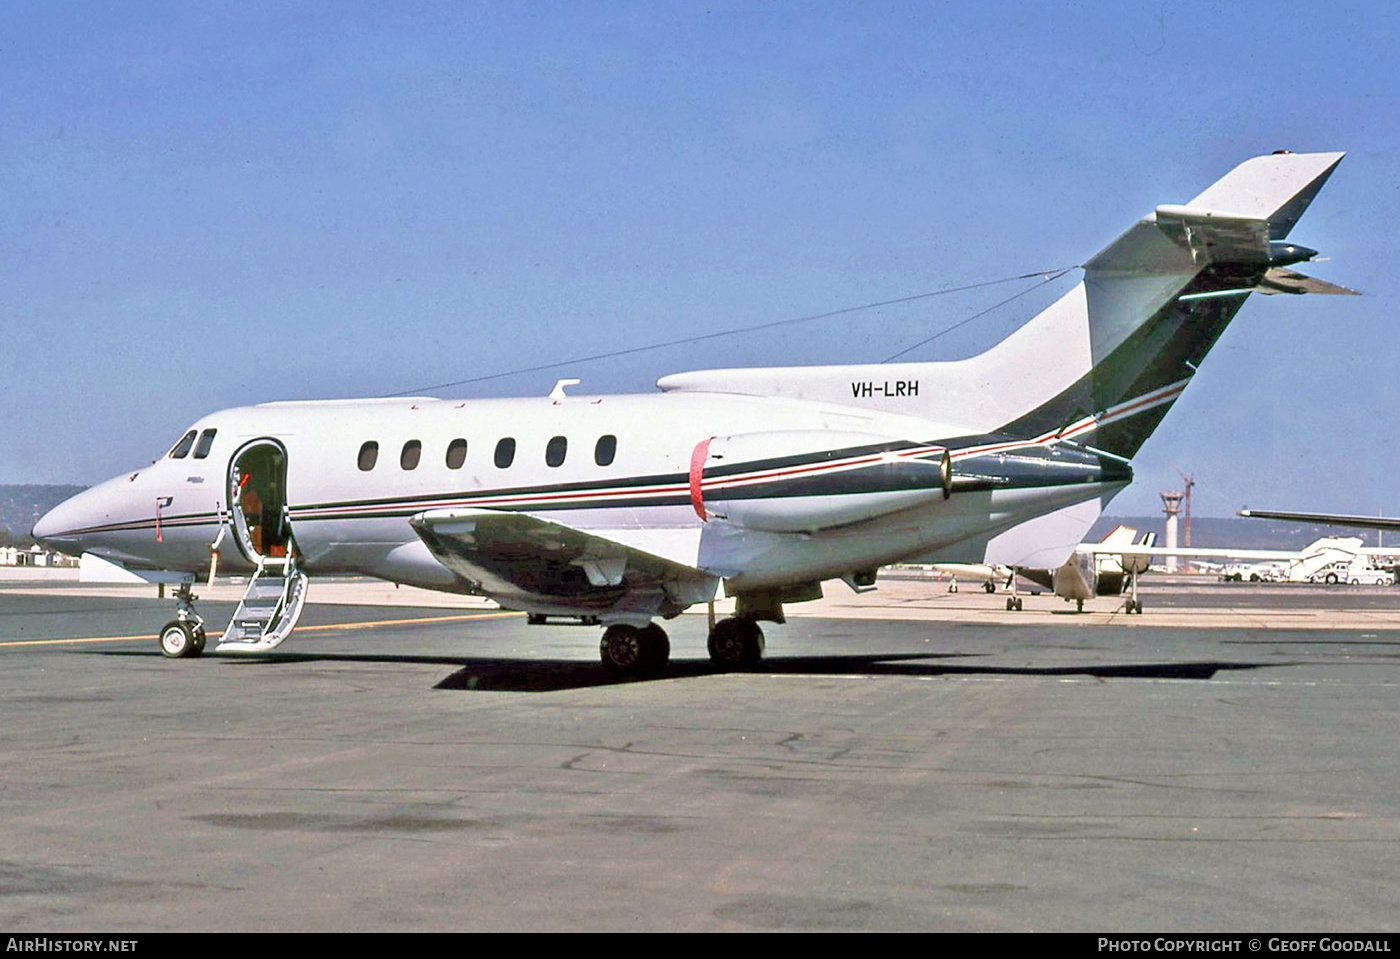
pixel 629 651
pixel 1331 579
pixel 736 643
pixel 657 647
pixel 177 640
pixel 989 586
pixel 623 650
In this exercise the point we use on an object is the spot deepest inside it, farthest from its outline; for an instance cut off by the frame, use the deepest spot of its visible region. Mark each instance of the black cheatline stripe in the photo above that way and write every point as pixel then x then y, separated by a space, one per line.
pixel 149 522
pixel 623 483
pixel 676 480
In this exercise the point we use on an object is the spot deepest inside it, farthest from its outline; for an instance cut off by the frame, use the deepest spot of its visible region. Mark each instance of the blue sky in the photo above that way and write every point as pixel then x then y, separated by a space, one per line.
pixel 212 204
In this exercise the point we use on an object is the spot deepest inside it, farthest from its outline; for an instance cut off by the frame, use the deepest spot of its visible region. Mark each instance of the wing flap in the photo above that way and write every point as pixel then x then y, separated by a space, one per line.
pixel 495 547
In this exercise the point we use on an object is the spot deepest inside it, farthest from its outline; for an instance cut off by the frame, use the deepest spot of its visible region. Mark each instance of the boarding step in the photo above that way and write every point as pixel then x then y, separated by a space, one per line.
pixel 269 610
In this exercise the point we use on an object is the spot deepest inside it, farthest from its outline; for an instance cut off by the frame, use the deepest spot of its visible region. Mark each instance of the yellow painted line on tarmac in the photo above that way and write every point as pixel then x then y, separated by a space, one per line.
pixel 404 622
pixel 147 637
pixel 89 639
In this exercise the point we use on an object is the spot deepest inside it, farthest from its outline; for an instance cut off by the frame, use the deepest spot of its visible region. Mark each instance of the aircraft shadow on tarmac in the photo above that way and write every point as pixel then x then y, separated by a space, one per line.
pixel 543 675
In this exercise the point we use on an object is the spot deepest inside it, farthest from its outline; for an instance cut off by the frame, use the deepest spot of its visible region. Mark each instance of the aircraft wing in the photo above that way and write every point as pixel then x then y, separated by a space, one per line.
pixel 512 552
pixel 1327 519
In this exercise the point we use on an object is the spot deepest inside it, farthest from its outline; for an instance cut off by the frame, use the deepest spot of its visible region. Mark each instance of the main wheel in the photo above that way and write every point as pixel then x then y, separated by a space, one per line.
pixel 656 647
pixel 629 651
pixel 178 640
pixel 736 643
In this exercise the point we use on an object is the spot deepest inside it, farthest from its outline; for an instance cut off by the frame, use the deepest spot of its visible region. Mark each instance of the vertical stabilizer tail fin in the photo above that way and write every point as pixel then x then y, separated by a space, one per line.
pixel 1156 300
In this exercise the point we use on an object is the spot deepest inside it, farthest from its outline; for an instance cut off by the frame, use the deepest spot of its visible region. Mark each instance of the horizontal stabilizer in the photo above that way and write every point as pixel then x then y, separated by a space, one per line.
pixel 1214 236
pixel 1279 280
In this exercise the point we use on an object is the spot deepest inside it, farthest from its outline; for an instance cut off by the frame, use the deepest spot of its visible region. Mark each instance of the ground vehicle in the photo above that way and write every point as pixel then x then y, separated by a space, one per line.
pixel 1355 573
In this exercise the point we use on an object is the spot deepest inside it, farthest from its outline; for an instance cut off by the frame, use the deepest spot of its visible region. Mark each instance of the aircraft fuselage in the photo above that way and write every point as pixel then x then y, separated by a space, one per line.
pixel 621 467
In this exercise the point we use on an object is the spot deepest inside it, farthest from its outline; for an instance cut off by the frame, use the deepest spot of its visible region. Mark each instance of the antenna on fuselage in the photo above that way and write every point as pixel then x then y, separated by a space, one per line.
pixel 557 394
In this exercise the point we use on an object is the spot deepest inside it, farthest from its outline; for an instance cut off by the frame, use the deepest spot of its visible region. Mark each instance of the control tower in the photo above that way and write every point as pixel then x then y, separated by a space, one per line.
pixel 1171 505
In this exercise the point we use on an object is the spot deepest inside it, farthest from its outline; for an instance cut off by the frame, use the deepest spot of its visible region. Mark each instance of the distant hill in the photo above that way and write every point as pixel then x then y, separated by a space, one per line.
pixel 1237 532
pixel 20 504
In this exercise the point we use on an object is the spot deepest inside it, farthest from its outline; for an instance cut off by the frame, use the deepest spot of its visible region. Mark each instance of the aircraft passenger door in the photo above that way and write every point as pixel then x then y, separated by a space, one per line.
pixel 257 496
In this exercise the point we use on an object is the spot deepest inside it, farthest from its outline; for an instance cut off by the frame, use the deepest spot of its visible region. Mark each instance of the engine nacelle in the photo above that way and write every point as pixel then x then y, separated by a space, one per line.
pixel 793 481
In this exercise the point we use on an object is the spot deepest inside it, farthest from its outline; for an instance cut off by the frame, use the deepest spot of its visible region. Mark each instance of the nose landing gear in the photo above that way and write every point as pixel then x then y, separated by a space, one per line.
pixel 183 637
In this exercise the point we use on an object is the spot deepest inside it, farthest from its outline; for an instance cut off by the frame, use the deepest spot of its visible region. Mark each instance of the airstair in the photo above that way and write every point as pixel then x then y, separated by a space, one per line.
pixel 270 607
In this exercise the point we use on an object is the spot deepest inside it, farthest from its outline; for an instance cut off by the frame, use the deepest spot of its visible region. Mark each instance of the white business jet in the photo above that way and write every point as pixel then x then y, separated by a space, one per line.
pixel 619 510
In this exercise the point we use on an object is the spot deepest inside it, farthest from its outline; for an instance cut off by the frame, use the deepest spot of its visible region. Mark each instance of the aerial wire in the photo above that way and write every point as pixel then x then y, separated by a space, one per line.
pixel 1049 276
pixel 1045 276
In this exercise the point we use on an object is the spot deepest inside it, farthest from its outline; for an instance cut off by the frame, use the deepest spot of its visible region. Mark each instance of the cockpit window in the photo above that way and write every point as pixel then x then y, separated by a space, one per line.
pixel 182 448
pixel 206 440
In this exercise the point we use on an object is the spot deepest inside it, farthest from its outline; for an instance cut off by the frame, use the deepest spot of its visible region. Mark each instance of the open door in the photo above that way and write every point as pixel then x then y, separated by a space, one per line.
pixel 257 495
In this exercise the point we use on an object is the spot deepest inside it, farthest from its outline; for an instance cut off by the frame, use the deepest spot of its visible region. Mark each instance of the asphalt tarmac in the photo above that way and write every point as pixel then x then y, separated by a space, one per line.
pixel 926 762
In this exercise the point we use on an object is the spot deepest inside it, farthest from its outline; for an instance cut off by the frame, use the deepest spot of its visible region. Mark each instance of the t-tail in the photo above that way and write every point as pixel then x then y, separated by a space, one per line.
pixel 1102 365
pixel 1154 302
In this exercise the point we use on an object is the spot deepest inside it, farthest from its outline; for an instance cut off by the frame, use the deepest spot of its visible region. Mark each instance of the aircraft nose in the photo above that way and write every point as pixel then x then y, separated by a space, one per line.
pixel 54 529
pixel 67 527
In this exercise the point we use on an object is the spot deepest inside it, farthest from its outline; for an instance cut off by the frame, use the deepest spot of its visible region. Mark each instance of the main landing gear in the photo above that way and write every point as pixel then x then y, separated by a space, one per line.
pixel 183 637
pixel 635 651
pixel 735 643
pixel 1013 602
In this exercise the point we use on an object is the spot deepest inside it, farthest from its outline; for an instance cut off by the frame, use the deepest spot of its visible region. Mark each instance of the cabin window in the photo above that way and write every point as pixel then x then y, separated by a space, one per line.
pixel 206 440
pixel 505 452
pixel 556 450
pixel 606 449
pixel 412 453
pixel 369 455
pixel 182 448
pixel 456 454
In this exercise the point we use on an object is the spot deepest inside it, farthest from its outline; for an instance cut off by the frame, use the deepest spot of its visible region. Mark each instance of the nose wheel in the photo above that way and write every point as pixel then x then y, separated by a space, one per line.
pixel 181 639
